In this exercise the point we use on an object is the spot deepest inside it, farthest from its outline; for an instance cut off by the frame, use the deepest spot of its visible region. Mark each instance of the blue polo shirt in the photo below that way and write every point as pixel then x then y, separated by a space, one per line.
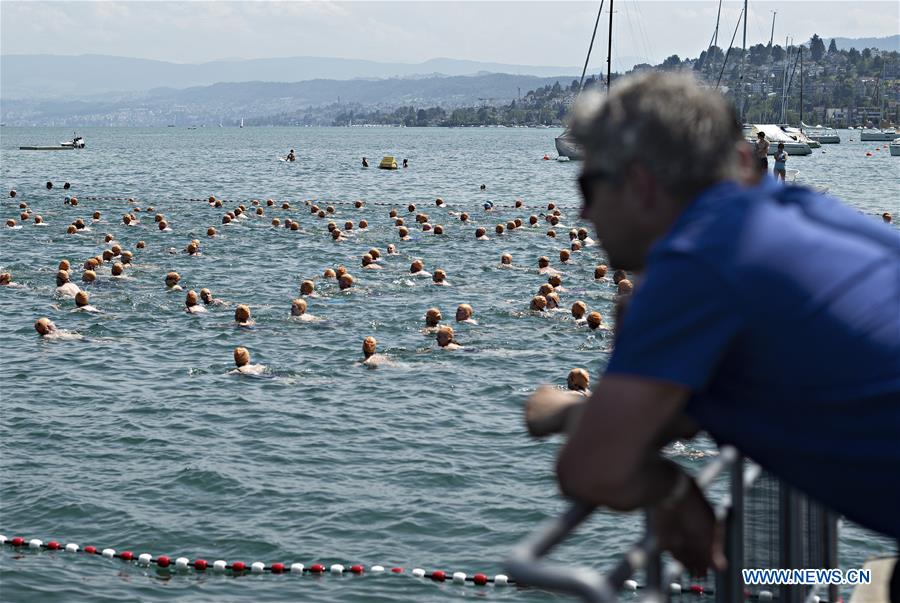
pixel 779 308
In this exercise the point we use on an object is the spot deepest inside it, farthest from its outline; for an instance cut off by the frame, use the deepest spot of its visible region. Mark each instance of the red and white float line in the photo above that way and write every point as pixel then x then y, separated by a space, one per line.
pixel 257 567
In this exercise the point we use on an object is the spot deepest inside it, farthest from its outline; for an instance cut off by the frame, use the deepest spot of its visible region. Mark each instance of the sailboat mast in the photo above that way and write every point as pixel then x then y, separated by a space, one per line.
pixel 590 47
pixel 743 58
pixel 609 50
pixel 772 35
pixel 801 87
pixel 716 32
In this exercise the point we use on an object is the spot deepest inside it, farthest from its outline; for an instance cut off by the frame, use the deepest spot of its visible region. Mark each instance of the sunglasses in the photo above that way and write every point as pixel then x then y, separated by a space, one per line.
pixel 588 180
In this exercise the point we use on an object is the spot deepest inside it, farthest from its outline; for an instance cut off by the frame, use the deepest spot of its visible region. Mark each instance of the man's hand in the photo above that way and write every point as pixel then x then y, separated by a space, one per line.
pixel 550 410
pixel 688 529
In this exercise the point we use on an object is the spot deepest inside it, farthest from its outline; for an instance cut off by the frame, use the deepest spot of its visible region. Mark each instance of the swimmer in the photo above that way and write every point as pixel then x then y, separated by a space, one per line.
pixel 242 362
pixel 573 234
pixel 586 241
pixel 164 226
pixel 433 318
pixel 6 279
pixel 533 220
pixel 340 271
pixel 544 266
pixel 368 262
pixel 192 303
pixel 10 223
pixel 365 163
pixel 464 313
pixel 626 287
pixel 298 310
pixel 345 281
pixel 576 246
pixel 172 279
pixel 375 253
pixel 538 303
pixel 506 260
pixel 439 202
pixel 370 357
pixel 552 300
pixel 140 245
pixel 564 255
pixel 210 232
pixel 82 302
pixel 192 248
pixel 438 229
pixel 440 278
pixel 64 265
pixel 619 275
pixel 445 338
pixel 417 268
pixel 579 308
pixel 551 233
pixel 579 381
pixel 207 297
pixel 308 287
pixel 488 205
pixel 44 326
pixel 242 316
pixel 392 249
pixel 483 187
pixel 556 281
pixel 600 272
pixel 594 320
pixel 404 233
pixel 336 235
pixel 406 163
pixel 127 256
pixel 887 218
pixel 481 234
pixel 63 287
pixel 329 273
pixel 426 227
pixel 39 220
pixel 464 217
pixel 363 224
pixel 499 229
pixel 545 289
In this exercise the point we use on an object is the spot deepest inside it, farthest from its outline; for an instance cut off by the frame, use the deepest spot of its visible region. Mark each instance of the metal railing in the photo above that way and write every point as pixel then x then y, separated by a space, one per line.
pixel 526 567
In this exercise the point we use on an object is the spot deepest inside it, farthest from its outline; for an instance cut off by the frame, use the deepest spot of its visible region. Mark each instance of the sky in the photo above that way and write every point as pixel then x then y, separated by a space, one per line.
pixel 516 32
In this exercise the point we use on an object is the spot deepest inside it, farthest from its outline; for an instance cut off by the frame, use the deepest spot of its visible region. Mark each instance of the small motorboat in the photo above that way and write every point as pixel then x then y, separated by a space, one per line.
pixel 895 147
pixel 76 143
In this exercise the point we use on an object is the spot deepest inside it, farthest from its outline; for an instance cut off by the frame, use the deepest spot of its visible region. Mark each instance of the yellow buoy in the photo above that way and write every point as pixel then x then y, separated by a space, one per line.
pixel 388 163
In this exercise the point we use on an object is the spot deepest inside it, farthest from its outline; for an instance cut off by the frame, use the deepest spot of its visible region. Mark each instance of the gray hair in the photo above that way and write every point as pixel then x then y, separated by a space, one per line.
pixel 686 135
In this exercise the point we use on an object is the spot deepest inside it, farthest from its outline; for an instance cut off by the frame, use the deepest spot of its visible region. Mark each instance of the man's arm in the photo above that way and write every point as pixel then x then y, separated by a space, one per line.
pixel 612 456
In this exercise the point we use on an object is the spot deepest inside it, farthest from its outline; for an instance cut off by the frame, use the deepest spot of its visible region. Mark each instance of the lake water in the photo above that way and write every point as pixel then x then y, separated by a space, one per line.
pixel 138 438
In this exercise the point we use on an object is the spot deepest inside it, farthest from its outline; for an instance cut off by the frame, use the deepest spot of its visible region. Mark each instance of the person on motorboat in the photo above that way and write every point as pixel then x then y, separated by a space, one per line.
pixel 806 382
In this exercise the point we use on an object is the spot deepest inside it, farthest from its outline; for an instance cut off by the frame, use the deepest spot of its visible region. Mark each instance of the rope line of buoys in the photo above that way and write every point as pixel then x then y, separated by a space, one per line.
pixel 237 568
pixel 257 567
pixel 397 206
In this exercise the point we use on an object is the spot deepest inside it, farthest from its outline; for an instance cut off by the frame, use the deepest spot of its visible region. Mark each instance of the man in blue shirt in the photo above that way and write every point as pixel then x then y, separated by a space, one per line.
pixel 767 316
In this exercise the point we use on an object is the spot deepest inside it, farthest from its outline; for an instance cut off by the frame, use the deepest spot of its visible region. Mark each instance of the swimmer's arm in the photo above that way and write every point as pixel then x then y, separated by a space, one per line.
pixel 612 456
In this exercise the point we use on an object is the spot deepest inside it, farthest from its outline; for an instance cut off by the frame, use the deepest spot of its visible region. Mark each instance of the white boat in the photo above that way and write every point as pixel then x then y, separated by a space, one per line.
pixel 821 134
pixel 895 147
pixel 872 135
pixel 775 134
pixel 76 143
pixel 242 122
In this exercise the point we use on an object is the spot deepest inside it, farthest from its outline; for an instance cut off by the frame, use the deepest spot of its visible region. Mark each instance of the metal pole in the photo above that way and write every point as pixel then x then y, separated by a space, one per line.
pixel 588 57
pixel 609 50
pixel 772 35
pixel 743 58
pixel 716 33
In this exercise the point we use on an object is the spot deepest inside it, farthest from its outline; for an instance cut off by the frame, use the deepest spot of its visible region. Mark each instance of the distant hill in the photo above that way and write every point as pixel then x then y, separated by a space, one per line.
pixel 229 102
pixel 57 76
pixel 889 43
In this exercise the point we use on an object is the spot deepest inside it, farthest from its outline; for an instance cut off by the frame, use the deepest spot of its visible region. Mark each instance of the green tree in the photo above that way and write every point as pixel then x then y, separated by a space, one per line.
pixel 832 48
pixel 777 53
pixel 816 48
pixel 672 62
pixel 853 56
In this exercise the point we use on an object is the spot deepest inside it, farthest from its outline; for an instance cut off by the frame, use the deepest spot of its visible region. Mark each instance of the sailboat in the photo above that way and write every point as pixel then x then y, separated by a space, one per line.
pixel 566 145
pixel 242 122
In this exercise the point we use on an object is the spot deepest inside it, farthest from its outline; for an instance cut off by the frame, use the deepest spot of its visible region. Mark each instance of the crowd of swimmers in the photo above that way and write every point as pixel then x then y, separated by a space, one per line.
pixel 548 296
pixel 118 260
